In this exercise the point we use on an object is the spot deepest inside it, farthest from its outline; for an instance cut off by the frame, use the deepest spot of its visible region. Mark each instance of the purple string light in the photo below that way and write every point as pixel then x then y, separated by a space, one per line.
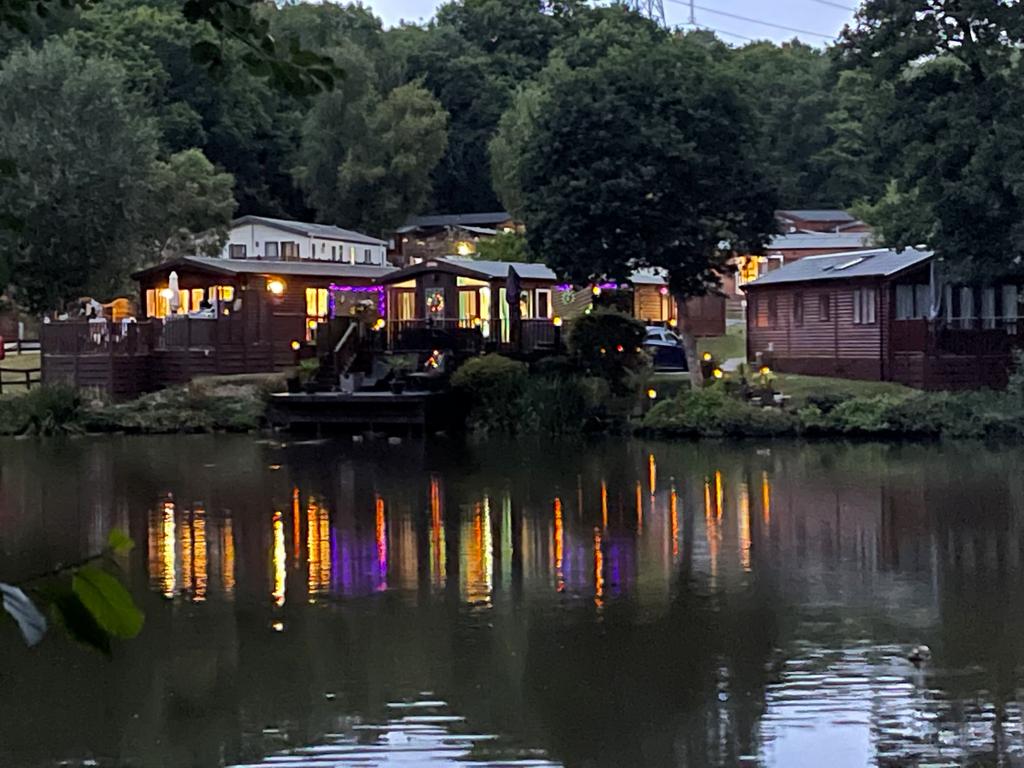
pixel 380 290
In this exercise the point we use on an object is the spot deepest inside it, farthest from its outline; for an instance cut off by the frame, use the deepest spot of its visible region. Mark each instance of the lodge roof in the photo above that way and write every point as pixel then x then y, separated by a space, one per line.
pixel 817 214
pixel 454 220
pixel 819 240
pixel 882 262
pixel 494 270
pixel 308 229
pixel 256 267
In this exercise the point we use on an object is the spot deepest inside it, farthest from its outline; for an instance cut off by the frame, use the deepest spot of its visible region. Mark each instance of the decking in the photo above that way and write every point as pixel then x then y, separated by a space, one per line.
pixel 409 412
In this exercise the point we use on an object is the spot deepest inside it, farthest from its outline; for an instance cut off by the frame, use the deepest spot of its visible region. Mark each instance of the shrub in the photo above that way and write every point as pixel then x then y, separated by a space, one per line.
pixel 556 404
pixel 607 343
pixel 713 412
pixel 47 410
pixel 493 387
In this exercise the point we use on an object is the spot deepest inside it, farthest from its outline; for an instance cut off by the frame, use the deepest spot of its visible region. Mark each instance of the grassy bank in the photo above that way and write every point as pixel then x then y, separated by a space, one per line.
pixel 213 405
pixel 899 413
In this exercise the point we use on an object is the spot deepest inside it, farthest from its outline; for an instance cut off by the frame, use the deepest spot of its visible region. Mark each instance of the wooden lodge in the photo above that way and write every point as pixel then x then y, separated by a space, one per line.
pixel 883 315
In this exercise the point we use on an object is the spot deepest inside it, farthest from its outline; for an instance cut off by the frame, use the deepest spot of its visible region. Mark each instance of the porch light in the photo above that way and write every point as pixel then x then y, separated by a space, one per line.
pixel 379 325
pixel 706 357
pixel 275 286
pixel 718 373
pixel 596 290
pixel 556 321
pixel 652 393
pixel 295 345
pixel 311 324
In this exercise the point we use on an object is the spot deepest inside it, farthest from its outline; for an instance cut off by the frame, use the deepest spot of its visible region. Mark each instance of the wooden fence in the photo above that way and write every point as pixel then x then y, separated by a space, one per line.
pixel 20 377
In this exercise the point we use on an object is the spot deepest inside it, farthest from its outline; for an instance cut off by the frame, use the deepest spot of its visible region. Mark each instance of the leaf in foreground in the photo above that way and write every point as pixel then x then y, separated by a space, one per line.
pixel 119 541
pixel 30 621
pixel 79 623
pixel 108 602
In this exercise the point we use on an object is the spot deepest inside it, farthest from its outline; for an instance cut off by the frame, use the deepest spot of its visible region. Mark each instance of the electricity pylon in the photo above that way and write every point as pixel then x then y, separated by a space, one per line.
pixel 652 9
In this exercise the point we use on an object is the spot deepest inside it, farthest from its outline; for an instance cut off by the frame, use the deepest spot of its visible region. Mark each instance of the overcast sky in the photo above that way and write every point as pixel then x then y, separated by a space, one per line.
pixel 824 17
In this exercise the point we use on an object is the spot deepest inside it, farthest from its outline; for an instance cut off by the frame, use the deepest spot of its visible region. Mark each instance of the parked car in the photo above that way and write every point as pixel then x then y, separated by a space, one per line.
pixel 665 348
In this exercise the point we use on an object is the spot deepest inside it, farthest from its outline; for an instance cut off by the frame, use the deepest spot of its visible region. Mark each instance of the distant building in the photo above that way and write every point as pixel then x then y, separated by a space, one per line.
pixel 261 238
pixel 883 315
pixel 819 220
pixel 427 237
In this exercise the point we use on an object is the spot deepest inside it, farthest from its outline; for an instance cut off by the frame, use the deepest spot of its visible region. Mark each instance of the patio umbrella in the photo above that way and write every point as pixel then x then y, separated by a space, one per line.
pixel 175 298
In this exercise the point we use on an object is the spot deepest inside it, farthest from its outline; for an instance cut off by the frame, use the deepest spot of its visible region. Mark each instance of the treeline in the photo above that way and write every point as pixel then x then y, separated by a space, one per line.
pixel 118 141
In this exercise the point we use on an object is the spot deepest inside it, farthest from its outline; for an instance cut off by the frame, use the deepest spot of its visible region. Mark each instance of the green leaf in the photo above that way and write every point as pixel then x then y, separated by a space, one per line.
pixel 120 542
pixel 30 621
pixel 79 623
pixel 108 602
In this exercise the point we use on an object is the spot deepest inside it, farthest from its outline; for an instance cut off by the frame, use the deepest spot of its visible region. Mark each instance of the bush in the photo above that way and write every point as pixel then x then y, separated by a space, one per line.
pixel 607 343
pixel 712 412
pixel 559 405
pixel 47 410
pixel 184 409
pixel 493 387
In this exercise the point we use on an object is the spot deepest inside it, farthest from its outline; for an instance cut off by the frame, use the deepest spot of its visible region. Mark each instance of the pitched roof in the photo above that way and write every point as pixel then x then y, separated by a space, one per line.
pixel 817 214
pixel 455 219
pixel 882 262
pixel 324 231
pixel 331 269
pixel 820 240
pixel 493 270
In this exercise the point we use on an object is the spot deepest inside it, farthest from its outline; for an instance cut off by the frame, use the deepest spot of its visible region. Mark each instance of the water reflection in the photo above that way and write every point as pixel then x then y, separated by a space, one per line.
pixel 617 604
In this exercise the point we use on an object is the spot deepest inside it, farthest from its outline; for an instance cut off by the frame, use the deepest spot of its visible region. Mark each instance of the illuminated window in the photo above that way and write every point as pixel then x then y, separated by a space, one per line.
pixel 352 254
pixel 316 302
pixel 198 295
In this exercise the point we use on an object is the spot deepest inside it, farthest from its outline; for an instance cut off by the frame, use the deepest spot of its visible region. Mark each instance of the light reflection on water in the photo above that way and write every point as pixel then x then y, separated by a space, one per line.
pixel 611 604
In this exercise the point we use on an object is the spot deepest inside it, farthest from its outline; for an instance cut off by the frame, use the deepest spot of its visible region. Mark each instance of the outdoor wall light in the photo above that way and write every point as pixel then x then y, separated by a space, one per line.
pixel 275 286
pixel 706 357
pixel 718 373
pixel 652 393
pixel 556 321
pixel 295 345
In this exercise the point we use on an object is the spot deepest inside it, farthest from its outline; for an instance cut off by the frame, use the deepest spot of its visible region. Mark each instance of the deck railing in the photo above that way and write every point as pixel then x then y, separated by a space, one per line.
pixel 83 337
pixel 430 333
pixel 959 335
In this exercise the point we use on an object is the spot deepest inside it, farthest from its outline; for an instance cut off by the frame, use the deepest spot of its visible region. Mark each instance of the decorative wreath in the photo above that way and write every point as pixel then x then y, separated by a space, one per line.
pixel 435 303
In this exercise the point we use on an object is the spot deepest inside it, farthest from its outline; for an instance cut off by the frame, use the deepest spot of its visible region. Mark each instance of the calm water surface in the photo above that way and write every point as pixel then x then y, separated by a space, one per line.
pixel 609 603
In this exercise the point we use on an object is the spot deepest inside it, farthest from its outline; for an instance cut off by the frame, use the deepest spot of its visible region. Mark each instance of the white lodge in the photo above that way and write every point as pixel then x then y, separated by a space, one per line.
pixel 264 239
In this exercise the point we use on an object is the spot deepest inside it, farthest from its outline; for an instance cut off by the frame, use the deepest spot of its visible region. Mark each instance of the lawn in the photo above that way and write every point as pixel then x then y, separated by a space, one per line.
pixel 799 388
pixel 12 381
pixel 733 344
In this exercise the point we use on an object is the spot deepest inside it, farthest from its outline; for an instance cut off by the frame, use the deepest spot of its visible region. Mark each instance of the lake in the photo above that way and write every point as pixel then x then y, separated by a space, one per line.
pixel 600 603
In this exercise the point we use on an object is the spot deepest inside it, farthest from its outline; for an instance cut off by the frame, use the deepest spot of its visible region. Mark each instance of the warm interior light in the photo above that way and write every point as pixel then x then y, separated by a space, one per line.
pixel 556 321
pixel 652 393
pixel 296 345
pixel 275 286
pixel 167 293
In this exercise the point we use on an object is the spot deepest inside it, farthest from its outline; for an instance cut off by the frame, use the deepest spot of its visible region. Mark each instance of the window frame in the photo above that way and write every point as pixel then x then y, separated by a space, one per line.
pixel 861 306
pixel 824 307
pixel 277 250
pixel 235 248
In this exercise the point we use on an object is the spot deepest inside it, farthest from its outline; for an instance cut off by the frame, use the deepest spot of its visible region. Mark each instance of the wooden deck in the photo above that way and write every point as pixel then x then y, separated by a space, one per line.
pixel 411 412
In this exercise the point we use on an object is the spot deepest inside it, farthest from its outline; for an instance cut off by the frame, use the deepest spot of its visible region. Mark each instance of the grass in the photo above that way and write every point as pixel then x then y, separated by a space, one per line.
pixel 733 344
pixel 799 388
pixel 13 383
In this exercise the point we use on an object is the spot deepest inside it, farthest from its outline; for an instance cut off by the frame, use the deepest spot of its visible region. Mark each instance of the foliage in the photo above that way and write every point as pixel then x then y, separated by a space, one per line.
pixel 711 412
pixel 492 386
pixel 86 597
pixel 952 135
pixel 365 159
pixel 505 246
pixel 46 410
pixel 191 198
pixel 192 408
pixel 84 153
pixel 607 343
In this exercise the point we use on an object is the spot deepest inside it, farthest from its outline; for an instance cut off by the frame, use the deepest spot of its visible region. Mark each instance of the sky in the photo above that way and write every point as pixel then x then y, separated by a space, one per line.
pixel 817 20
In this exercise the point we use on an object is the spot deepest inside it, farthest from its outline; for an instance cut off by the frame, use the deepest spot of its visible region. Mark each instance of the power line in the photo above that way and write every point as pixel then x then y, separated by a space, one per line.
pixel 753 21
pixel 840 6
pixel 723 32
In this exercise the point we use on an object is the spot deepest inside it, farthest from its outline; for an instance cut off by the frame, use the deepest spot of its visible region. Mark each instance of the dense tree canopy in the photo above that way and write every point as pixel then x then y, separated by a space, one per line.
pixel 950 131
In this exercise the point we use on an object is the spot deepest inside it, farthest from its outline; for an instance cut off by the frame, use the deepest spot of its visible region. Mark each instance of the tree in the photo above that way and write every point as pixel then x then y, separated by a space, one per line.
pixel 952 141
pixel 505 246
pixel 643 159
pixel 79 192
pixel 192 205
pixel 366 162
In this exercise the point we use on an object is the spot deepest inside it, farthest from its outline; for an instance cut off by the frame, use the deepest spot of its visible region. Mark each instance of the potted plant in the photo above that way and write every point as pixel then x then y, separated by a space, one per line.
pixel 401 366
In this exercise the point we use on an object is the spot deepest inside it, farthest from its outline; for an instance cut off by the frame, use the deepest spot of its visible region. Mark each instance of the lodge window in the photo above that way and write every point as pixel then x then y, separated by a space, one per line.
pixel 290 251
pixel 367 256
pixel 773 311
pixel 543 302
pixel 798 309
pixel 351 255
pixel 317 305
pixel 334 253
pixel 236 251
pixel 912 302
pixel 864 306
pixel 271 251
pixel 824 308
